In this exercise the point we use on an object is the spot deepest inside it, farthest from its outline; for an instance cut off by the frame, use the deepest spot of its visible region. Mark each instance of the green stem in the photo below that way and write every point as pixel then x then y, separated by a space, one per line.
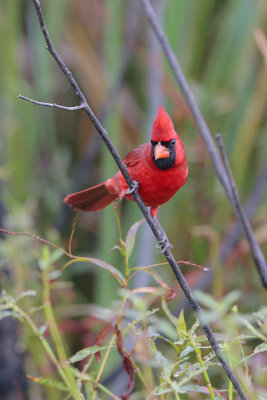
pixel 139 373
pixel 118 219
pixel 122 245
pixel 255 331
pixel 108 392
pixel 230 385
pixel 230 390
pixel 120 313
pixel 205 373
pixel 50 319
pixel 44 343
pixel 104 361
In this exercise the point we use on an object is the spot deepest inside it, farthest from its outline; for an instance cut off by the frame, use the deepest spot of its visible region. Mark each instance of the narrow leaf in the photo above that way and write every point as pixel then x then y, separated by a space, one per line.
pixel 181 325
pixel 48 382
pixel 230 299
pixel 258 349
pixel 170 292
pixel 206 299
pixel 27 293
pixel 88 351
pixel 143 316
pixel 131 235
pixel 6 313
pixel 100 263
pixel 114 271
pixel 171 317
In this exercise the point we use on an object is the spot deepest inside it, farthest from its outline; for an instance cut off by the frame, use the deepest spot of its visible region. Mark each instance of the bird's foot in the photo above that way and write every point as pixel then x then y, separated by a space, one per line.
pixel 164 244
pixel 133 189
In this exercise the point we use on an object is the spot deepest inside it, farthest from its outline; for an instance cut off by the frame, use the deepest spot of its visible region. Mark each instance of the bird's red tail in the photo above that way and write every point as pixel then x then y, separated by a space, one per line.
pixel 92 199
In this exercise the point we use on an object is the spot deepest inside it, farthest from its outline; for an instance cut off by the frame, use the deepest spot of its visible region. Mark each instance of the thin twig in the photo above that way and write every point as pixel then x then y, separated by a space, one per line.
pixel 254 246
pixel 203 129
pixel 155 227
pixel 251 206
pixel 41 103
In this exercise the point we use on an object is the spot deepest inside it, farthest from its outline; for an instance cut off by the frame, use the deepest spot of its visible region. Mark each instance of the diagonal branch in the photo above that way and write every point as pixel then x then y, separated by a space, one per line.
pixel 155 227
pixel 206 136
pixel 254 246
pixel 250 207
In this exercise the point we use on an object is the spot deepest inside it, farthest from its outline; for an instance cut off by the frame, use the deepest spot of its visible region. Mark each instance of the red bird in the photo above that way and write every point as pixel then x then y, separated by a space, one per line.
pixel 159 167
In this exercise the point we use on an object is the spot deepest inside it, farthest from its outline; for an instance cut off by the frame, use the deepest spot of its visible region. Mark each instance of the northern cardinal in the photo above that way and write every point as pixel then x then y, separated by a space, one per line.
pixel 159 168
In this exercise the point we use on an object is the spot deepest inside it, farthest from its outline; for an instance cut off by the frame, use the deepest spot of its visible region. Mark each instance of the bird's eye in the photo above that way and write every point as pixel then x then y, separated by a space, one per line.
pixel 173 141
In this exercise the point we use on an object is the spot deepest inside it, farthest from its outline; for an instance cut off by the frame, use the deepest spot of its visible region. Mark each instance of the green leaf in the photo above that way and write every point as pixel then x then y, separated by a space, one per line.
pixel 114 271
pixel 219 307
pixel 136 321
pixel 193 328
pixel 27 293
pixel 163 363
pixel 48 382
pixel 131 235
pixel 193 388
pixel 5 298
pixel 88 351
pixel 258 349
pixel 56 255
pixel 181 325
pixel 171 317
pixel 42 329
pixel 161 391
pixel 187 350
pixel 55 274
pixel 8 313
pixel 229 300
pixel 138 302
pixel 206 300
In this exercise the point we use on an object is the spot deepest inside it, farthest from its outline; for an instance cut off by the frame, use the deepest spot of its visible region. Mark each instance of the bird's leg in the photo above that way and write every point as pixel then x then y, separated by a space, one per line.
pixel 133 189
pixel 163 242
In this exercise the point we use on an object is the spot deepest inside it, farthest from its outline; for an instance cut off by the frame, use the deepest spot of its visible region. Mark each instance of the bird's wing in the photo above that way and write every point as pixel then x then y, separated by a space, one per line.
pixel 135 156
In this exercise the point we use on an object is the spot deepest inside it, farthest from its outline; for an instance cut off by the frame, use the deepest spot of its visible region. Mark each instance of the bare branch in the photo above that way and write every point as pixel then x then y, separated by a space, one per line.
pixel 254 246
pixel 41 103
pixel 250 208
pixel 204 131
pixel 155 227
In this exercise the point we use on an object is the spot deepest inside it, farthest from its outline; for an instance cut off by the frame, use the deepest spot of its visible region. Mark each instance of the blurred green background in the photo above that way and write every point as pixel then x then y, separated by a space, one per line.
pixel 47 153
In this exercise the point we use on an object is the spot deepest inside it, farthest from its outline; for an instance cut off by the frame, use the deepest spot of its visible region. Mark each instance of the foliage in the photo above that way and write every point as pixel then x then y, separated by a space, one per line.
pixel 163 358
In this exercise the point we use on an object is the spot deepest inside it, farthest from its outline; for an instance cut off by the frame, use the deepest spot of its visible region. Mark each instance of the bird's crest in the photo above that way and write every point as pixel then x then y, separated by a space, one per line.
pixel 163 129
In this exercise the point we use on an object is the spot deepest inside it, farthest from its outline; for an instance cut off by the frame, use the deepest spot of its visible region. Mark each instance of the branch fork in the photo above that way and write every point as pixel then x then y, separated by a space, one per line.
pixel 41 103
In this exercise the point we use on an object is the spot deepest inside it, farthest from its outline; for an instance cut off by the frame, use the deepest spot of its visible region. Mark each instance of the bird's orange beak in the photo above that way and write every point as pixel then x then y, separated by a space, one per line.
pixel 161 151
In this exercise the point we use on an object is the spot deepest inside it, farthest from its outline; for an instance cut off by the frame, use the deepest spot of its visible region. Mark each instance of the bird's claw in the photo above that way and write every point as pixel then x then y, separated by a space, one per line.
pixel 164 244
pixel 133 189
